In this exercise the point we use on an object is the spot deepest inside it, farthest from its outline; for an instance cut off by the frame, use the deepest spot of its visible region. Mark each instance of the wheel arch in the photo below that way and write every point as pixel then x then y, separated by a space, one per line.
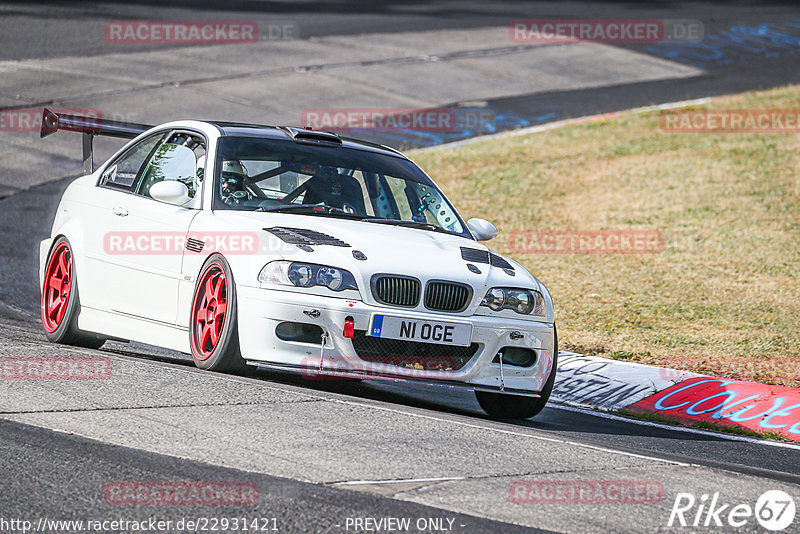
pixel 74 235
pixel 72 231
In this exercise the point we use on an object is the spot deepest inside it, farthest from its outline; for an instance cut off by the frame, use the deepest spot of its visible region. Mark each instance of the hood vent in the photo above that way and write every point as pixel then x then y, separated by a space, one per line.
pixel 499 261
pixel 304 237
pixel 475 255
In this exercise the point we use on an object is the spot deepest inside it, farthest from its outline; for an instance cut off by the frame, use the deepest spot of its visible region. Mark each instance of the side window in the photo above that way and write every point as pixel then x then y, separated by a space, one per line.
pixel 123 172
pixel 181 158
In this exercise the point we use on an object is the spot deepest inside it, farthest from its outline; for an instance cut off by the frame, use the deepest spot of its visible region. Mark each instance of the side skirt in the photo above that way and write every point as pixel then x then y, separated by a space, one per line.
pixel 123 326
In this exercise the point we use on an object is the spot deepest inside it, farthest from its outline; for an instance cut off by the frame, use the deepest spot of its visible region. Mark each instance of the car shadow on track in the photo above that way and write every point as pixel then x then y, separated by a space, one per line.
pixel 442 399
pixel 565 423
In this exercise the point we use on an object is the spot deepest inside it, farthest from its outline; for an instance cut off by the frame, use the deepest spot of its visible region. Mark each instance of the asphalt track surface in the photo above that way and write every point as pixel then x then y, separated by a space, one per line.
pixel 61 444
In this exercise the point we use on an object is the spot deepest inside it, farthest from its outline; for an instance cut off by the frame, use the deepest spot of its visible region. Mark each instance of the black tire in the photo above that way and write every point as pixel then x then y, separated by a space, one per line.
pixel 224 355
pixel 65 330
pixel 504 406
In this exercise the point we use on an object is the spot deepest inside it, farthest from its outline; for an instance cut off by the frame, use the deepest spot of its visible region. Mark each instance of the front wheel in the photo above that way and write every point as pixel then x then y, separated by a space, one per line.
pixel 60 302
pixel 503 406
pixel 213 328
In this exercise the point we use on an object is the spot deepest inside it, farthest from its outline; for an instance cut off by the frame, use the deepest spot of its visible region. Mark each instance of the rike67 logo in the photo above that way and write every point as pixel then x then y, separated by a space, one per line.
pixel 774 510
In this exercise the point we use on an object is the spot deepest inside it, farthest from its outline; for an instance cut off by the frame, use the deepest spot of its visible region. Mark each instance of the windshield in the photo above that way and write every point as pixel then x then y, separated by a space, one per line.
pixel 277 175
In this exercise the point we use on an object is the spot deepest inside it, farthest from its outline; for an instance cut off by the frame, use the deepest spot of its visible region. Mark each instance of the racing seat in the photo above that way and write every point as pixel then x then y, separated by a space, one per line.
pixel 335 191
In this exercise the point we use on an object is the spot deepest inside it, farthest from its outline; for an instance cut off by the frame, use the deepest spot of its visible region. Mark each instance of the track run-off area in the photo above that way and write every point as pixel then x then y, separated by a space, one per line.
pixel 330 456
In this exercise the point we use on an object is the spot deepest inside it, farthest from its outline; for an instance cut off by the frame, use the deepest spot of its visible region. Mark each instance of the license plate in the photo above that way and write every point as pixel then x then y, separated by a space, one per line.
pixel 388 327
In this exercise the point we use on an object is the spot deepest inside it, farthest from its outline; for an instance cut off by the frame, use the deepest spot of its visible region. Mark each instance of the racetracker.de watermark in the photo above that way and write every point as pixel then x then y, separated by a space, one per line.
pixel 188 32
pixel 409 368
pixel 731 121
pixel 585 492
pixel 167 243
pixel 398 119
pixel 605 31
pixel 55 368
pixel 192 493
pixel 586 242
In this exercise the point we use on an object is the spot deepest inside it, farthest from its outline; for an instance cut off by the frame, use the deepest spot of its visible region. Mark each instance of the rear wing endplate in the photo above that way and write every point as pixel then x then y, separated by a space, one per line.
pixel 53 122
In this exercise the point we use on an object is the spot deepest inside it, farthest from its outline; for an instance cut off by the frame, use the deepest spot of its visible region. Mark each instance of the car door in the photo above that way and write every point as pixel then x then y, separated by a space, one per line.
pixel 102 210
pixel 145 237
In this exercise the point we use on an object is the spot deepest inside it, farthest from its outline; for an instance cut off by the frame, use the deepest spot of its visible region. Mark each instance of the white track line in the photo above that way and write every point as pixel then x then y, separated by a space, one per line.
pixel 396 481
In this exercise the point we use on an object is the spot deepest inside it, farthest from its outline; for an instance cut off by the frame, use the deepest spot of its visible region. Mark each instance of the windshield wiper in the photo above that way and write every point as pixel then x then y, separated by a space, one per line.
pixel 410 224
pixel 311 209
pixel 319 209
pixel 292 207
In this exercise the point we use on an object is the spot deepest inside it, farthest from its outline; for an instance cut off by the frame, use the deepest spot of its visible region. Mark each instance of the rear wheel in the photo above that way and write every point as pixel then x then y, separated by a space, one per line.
pixel 213 326
pixel 60 301
pixel 505 406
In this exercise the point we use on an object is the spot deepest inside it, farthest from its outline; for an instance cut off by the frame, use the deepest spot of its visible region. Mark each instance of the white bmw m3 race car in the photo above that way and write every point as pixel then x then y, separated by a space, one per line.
pixel 290 249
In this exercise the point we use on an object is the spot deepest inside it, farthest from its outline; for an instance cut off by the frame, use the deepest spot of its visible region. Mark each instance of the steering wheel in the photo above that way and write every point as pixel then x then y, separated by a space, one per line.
pixel 236 197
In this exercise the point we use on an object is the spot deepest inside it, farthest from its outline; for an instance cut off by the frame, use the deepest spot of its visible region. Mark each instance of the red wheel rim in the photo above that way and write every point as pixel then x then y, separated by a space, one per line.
pixel 209 310
pixel 57 287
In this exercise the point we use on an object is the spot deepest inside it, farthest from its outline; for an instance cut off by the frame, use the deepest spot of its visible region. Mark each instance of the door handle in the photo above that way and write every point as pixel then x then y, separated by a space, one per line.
pixel 120 211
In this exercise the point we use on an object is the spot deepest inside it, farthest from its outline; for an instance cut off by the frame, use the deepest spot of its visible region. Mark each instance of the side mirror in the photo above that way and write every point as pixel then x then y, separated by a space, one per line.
pixel 482 229
pixel 170 191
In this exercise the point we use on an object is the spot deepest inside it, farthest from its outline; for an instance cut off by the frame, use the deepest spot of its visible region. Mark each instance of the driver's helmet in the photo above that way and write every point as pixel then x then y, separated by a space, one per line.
pixel 232 178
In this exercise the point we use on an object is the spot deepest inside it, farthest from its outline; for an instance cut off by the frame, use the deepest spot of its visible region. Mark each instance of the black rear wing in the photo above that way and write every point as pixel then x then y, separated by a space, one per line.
pixel 53 122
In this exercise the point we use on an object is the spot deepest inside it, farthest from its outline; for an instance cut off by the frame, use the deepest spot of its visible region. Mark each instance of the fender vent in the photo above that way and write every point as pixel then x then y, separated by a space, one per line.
pixel 194 245
pixel 303 236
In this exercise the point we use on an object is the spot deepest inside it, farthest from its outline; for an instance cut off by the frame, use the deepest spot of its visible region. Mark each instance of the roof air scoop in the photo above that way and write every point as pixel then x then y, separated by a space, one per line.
pixel 313 136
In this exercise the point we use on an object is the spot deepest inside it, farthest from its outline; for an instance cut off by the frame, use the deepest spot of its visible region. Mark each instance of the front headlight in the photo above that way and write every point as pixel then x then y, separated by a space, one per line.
pixel 522 301
pixel 301 275
pixel 495 299
pixel 298 274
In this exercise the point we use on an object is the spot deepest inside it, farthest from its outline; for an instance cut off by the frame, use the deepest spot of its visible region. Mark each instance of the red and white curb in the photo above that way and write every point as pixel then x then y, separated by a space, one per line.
pixel 689 398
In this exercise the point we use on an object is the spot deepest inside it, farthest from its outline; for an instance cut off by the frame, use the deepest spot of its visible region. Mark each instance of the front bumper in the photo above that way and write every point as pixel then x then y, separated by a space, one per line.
pixel 261 310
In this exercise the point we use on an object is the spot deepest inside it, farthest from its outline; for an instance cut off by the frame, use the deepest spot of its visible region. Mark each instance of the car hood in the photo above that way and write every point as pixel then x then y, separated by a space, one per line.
pixel 388 249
